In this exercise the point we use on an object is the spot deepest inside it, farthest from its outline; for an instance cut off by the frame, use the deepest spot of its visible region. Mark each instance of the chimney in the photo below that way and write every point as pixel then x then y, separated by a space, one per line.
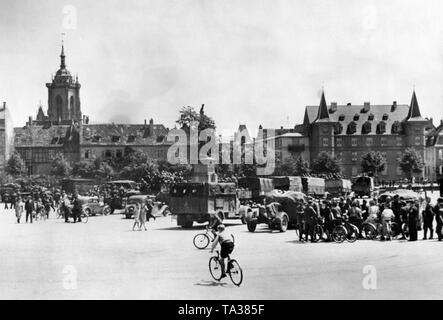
pixel 366 107
pixel 30 120
pixel 84 119
pixel 333 107
pixel 145 121
pixel 151 121
pixel 4 105
pixel 349 104
pixel 394 106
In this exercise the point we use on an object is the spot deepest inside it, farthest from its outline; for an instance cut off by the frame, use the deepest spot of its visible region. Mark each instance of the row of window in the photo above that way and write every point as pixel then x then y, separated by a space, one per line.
pixel 369 141
pixel 38 155
pixel 355 170
pixel 108 153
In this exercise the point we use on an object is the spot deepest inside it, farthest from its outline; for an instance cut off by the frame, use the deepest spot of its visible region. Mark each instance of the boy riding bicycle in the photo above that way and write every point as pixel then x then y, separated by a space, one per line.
pixel 227 246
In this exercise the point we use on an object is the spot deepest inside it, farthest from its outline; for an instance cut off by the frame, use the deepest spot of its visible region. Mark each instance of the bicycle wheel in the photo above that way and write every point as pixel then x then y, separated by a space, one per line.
pixel 235 272
pixel 394 230
pixel 215 268
pixel 201 241
pixel 369 231
pixel 405 230
pixel 318 233
pixel 84 217
pixel 339 234
pixel 353 233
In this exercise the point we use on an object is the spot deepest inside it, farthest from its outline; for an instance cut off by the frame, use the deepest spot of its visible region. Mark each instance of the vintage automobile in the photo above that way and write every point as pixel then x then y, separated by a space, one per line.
pixel 92 206
pixel 142 199
pixel 279 216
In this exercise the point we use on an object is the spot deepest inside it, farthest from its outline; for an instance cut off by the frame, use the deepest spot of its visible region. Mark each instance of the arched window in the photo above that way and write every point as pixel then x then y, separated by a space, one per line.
pixel 371 117
pixel 356 117
pixel 385 117
pixel 338 128
pixel 71 107
pixel 58 107
pixel 341 117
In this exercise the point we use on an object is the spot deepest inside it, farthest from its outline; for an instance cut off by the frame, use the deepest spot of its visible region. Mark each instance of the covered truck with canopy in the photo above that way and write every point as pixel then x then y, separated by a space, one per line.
pixel 194 202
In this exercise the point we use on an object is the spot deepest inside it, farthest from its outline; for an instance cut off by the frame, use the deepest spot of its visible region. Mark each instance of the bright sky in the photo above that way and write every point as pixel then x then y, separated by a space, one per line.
pixel 249 61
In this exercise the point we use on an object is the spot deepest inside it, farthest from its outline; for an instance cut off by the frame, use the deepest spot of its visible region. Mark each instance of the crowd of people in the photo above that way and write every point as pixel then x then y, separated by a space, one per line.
pixel 408 216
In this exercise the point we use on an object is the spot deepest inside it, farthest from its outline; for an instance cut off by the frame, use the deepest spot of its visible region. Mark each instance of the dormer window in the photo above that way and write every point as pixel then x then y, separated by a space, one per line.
pixel 385 117
pixel 366 128
pixel 371 117
pixel 96 139
pixel 356 117
pixel 338 128
pixel 341 117
pixel 131 138
pixel 397 127
pixel 381 127
pixel 352 128
pixel 115 138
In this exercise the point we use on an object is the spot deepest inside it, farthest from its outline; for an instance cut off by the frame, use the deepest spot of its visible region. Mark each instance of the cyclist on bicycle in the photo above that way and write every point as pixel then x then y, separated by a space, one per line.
pixel 226 241
pixel 214 222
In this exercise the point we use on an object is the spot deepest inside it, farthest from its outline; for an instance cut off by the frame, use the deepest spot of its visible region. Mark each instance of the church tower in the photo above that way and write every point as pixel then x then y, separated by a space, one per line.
pixel 64 95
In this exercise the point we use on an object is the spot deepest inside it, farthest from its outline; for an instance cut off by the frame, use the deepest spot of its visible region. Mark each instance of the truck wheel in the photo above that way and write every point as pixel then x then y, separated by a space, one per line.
pixel 284 223
pixel 251 226
pixel 243 221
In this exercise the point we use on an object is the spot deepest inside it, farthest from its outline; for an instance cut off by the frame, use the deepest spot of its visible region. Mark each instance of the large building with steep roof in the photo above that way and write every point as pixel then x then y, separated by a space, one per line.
pixel 349 131
pixel 64 129
pixel 6 136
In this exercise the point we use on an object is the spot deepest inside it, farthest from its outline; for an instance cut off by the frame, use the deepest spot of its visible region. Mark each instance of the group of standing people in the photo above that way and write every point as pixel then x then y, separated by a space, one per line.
pixel 414 214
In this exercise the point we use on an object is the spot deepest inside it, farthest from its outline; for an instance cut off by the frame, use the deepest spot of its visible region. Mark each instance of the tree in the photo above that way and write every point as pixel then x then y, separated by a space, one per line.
pixel 188 115
pixel 82 169
pixel 60 166
pixel 372 163
pixel 411 162
pixel 325 164
pixel 15 166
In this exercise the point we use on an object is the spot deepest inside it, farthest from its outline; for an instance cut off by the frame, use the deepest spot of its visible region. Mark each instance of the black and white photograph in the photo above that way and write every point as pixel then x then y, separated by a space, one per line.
pixel 250 150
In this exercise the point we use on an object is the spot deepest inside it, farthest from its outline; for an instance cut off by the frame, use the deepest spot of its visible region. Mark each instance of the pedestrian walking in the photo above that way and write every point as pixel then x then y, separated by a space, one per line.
pixel 29 208
pixel 137 214
pixel 19 208
pixel 310 217
pixel 148 209
pixel 300 220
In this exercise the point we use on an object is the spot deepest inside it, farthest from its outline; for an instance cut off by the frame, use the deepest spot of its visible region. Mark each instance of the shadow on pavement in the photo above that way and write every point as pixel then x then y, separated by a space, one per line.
pixel 212 283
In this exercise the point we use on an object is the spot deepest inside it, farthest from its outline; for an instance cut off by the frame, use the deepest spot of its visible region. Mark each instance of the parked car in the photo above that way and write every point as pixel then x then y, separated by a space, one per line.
pixel 132 202
pixel 92 206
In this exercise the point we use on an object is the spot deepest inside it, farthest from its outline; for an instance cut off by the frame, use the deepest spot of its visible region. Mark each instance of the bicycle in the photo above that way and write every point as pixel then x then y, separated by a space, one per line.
pixel 233 269
pixel 373 231
pixel 344 230
pixel 202 240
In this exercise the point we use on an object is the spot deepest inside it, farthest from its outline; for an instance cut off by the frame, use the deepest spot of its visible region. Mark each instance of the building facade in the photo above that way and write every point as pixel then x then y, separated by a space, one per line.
pixel 64 129
pixel 347 132
pixel 6 136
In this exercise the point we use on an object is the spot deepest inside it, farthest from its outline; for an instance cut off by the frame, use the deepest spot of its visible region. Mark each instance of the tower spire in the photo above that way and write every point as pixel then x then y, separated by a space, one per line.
pixel 323 112
pixel 414 110
pixel 62 55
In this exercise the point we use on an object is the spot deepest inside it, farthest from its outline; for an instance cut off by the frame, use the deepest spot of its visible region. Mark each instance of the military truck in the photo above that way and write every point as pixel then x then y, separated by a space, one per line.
pixel 338 187
pixel 194 202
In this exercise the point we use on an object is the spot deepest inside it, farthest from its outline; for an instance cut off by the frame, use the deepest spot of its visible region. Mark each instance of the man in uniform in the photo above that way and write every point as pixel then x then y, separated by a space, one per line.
pixel 77 209
pixel 300 220
pixel 412 221
pixel 438 210
pixel 310 221
pixel 428 219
